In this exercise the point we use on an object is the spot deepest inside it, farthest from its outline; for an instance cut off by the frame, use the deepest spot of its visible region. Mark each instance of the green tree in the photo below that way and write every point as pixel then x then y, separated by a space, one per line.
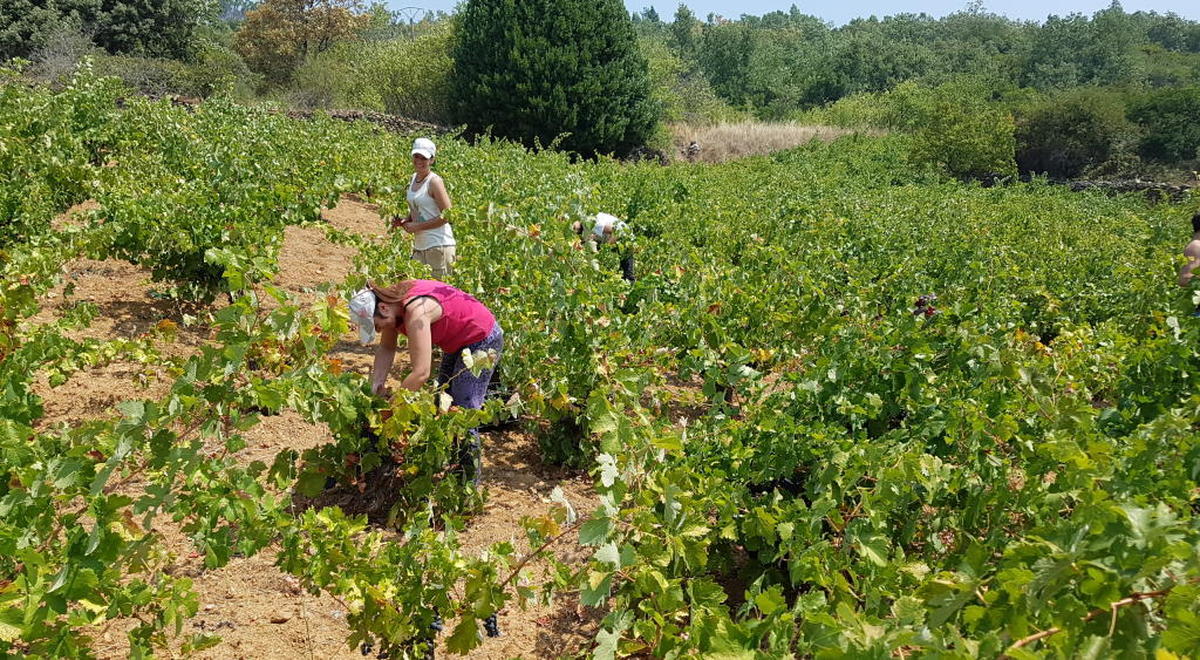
pixel 1073 51
pixel 1073 131
pixel 860 58
pixel 727 48
pixel 1169 31
pixel 683 95
pixel 279 35
pixel 27 25
pixel 538 70
pixel 963 134
pixel 979 43
pixel 1171 121
pixel 155 29
pixel 685 34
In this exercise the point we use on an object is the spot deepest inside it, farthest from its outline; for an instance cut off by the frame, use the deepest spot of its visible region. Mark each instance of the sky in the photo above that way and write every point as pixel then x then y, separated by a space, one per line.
pixel 838 12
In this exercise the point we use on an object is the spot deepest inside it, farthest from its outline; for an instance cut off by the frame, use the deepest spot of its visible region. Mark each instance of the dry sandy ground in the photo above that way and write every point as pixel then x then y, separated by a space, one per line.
pixel 257 610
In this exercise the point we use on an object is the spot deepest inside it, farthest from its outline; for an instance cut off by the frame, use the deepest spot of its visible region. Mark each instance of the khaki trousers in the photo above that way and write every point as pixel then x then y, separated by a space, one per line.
pixel 440 259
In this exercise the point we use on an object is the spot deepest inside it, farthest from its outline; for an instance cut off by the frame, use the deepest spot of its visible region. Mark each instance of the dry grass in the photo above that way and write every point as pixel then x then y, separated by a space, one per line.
pixel 725 142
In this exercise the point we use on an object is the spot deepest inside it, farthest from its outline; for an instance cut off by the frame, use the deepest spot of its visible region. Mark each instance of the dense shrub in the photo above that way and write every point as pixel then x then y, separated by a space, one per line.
pixel 162 28
pixel 541 71
pixel 907 106
pixel 61 53
pixel 1171 121
pixel 683 94
pixel 862 110
pixel 407 77
pixel 956 126
pixel 1068 133
pixel 903 108
pixel 215 68
pixel 156 77
pixel 412 77
pixel 327 79
pixel 962 133
pixel 211 69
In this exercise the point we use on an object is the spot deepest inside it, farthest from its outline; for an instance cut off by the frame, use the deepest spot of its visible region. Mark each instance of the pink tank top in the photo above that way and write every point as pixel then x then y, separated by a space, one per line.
pixel 464 320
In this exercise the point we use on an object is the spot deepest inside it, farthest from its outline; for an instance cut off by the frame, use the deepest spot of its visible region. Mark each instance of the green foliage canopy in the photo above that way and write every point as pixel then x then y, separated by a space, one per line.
pixel 1171 118
pixel 162 28
pixel 963 134
pixel 1070 132
pixel 534 70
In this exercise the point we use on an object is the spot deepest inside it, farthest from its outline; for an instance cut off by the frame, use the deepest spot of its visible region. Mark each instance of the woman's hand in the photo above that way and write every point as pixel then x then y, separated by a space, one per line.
pixel 381 390
pixel 409 226
pixel 413 382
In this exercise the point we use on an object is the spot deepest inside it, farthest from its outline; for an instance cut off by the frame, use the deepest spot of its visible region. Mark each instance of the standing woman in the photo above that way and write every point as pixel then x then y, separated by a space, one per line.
pixel 431 313
pixel 428 201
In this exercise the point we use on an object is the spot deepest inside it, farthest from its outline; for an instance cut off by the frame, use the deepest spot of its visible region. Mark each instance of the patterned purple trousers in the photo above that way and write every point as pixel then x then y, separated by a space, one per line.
pixel 467 391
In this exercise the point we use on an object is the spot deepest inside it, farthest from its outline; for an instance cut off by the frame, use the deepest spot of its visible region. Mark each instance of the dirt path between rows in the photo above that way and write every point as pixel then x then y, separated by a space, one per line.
pixel 256 609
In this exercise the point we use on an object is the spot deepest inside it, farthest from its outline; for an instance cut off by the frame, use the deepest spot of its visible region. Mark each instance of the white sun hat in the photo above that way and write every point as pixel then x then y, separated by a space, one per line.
pixel 362 314
pixel 425 147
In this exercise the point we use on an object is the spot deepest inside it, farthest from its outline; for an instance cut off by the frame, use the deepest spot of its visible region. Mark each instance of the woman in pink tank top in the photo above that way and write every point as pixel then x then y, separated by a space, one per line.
pixel 431 313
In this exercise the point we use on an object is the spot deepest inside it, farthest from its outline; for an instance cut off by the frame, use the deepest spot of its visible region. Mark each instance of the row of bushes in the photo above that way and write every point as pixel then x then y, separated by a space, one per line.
pixel 409 77
pixel 972 127
pixel 969 126
pixel 1109 131
pixel 211 69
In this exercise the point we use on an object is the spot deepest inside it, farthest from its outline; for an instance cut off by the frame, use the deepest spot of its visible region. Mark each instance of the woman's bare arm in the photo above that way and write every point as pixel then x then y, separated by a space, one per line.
pixel 385 356
pixel 420 314
pixel 1192 252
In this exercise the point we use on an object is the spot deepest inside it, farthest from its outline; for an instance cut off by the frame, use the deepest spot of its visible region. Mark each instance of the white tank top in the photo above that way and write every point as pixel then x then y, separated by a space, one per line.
pixel 425 208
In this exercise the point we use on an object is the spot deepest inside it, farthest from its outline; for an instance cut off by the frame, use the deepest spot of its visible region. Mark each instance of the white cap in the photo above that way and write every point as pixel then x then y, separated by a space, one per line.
pixel 362 314
pixel 425 147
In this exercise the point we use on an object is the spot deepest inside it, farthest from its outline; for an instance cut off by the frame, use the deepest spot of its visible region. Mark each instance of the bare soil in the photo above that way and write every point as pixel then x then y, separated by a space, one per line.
pixel 307 260
pixel 256 609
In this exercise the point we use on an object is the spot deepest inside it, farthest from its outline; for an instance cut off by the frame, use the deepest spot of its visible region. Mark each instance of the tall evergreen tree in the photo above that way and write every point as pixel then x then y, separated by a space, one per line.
pixel 685 33
pixel 537 69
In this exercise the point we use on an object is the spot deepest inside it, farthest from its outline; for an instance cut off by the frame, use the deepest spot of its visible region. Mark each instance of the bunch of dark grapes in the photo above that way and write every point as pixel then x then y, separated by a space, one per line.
pixel 492 626
pixel 925 306
pixel 424 648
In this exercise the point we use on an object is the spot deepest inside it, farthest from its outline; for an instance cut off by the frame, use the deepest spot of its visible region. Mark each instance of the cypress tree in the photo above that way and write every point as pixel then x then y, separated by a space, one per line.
pixel 536 69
